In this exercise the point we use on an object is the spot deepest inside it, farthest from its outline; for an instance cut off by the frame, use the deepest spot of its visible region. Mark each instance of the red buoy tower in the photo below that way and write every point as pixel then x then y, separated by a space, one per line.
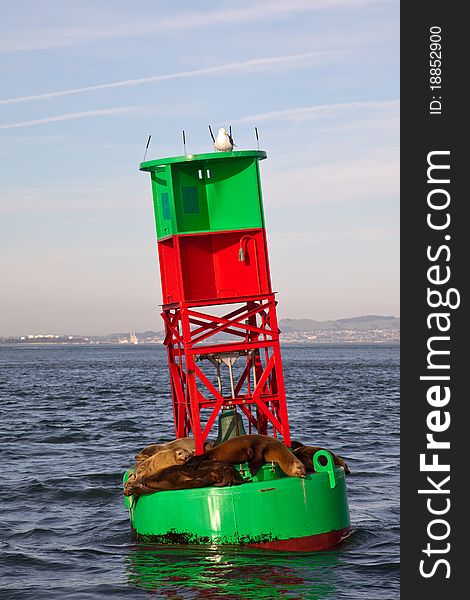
pixel 219 308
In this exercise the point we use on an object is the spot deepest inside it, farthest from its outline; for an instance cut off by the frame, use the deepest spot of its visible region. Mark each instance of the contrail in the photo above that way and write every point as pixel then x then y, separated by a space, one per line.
pixel 317 111
pixel 70 117
pixel 299 114
pixel 248 65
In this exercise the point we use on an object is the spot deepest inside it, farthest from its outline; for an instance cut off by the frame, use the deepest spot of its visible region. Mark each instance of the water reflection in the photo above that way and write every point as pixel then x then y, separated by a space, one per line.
pixel 231 573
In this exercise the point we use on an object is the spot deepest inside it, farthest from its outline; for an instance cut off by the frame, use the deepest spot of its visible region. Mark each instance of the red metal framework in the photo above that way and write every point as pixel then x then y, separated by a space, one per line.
pixel 246 334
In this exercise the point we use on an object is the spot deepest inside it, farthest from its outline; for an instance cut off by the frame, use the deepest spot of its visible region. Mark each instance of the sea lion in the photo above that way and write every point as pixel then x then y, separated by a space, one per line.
pixel 161 460
pixel 306 453
pixel 186 443
pixel 181 477
pixel 256 450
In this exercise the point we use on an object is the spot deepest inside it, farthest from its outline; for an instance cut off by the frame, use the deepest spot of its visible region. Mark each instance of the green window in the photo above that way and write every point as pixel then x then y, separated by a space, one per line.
pixel 190 200
pixel 166 206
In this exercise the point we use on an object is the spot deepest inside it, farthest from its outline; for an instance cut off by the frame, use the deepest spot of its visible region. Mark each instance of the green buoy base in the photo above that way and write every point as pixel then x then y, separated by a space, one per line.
pixel 272 511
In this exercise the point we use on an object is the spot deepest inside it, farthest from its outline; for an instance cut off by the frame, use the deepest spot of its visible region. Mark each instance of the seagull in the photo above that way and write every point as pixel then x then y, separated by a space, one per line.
pixel 223 142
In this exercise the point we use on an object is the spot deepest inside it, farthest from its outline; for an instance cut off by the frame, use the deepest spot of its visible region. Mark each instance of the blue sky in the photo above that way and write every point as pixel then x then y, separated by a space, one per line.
pixel 83 84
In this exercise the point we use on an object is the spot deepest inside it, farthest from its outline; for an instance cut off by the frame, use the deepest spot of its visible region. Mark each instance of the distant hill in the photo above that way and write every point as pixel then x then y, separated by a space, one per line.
pixel 364 323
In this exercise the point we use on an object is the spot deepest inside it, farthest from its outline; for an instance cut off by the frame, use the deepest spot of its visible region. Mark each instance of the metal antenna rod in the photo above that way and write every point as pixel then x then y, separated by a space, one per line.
pixel 231 138
pixel 257 137
pixel 253 362
pixel 219 378
pixel 184 142
pixel 147 147
pixel 212 135
pixel 230 372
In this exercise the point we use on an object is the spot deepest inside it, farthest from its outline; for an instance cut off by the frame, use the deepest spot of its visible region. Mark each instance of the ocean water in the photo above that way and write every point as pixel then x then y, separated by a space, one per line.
pixel 72 419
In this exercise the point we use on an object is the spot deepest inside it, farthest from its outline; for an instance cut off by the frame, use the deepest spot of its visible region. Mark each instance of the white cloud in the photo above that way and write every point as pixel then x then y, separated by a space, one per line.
pixel 355 182
pixel 127 26
pixel 86 198
pixel 319 111
pixel 328 237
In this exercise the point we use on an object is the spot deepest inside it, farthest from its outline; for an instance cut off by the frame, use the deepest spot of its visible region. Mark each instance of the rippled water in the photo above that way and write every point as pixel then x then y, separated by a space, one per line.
pixel 72 419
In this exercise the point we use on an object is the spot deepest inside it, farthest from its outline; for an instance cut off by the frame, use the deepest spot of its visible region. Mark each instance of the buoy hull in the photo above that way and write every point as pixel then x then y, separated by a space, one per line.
pixel 273 512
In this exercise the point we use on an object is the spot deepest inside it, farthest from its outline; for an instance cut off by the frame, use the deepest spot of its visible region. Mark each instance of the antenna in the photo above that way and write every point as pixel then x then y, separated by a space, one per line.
pixel 147 147
pixel 231 138
pixel 257 137
pixel 184 142
pixel 212 135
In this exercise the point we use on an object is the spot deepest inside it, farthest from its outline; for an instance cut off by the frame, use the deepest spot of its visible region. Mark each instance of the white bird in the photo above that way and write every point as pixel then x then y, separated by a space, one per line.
pixel 223 141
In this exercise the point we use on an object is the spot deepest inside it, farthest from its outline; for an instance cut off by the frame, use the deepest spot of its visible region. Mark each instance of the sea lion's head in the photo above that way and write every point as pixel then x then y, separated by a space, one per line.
pixel 182 455
pixel 161 460
pixel 134 488
pixel 130 478
pixel 298 469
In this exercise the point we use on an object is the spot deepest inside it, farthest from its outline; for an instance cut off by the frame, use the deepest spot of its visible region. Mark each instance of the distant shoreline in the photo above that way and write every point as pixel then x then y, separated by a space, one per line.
pixel 363 330
pixel 160 345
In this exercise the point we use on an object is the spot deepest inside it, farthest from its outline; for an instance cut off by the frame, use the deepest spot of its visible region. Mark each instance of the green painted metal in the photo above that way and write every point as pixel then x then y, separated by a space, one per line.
pixel 230 424
pixel 271 507
pixel 150 164
pixel 328 467
pixel 201 193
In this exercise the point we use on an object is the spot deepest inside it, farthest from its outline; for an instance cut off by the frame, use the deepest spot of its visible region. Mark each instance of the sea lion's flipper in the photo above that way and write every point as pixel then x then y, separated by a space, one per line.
pixel 195 461
pixel 238 482
pixel 342 463
pixel 228 481
pixel 137 488
pixel 187 483
pixel 225 474
pixel 254 466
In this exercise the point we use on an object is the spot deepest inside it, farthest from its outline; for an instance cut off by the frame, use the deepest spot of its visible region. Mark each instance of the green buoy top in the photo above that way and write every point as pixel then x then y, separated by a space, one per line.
pixel 213 192
pixel 150 165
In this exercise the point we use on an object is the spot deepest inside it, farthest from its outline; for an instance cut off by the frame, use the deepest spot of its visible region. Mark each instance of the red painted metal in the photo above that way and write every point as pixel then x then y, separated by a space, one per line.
pixel 198 336
pixel 205 266
pixel 309 543
pixel 219 309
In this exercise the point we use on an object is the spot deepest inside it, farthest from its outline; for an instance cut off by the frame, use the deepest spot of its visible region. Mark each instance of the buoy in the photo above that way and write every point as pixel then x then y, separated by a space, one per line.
pixel 225 364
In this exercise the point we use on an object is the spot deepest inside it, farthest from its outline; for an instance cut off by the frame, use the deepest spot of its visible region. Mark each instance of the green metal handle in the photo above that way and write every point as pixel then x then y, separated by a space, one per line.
pixel 328 468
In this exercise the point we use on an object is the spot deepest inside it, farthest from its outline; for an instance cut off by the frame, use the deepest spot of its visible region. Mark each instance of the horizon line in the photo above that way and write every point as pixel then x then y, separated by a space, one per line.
pixel 161 330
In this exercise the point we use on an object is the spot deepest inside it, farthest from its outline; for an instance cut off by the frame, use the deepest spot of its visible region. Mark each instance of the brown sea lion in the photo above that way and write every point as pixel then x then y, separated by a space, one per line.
pixel 161 460
pixel 306 453
pixel 186 443
pixel 181 477
pixel 256 450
